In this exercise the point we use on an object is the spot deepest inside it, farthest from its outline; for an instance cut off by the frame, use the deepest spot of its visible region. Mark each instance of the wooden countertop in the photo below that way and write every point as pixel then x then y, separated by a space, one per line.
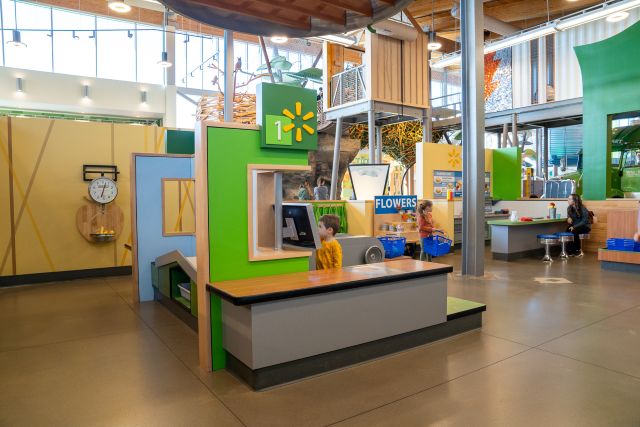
pixel 521 223
pixel 272 288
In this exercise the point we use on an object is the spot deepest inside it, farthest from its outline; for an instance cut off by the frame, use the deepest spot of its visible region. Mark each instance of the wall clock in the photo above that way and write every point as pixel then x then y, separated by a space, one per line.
pixel 103 190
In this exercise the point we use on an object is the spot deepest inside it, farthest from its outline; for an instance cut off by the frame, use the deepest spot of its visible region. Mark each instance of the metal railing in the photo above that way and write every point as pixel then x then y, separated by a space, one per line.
pixel 447 106
pixel 348 86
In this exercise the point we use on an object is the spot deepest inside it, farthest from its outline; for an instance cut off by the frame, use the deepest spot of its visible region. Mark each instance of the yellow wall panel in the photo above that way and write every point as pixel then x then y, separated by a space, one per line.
pixel 5 223
pixel 47 238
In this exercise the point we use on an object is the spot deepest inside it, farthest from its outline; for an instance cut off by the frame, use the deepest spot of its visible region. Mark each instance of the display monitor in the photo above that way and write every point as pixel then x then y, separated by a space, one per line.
pixel 368 180
pixel 299 227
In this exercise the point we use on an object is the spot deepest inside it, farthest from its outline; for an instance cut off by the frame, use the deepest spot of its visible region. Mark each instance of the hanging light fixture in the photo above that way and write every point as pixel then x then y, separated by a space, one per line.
pixel 433 44
pixel 164 58
pixel 618 16
pixel 279 39
pixel 16 39
pixel 119 6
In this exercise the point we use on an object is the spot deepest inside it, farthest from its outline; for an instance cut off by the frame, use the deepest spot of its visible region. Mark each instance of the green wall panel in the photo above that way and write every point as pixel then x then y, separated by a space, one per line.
pixel 229 153
pixel 506 174
pixel 611 85
pixel 180 141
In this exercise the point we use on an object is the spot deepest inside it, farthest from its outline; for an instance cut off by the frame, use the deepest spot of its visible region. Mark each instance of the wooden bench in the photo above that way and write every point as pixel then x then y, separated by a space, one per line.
pixel 622 223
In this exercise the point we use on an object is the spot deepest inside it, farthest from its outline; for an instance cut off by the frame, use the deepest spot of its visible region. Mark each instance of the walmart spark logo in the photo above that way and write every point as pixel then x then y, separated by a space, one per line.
pixel 291 126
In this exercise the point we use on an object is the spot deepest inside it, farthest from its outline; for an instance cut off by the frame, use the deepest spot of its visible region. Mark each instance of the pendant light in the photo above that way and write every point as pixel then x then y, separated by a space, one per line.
pixel 16 39
pixel 433 43
pixel 164 58
pixel 119 6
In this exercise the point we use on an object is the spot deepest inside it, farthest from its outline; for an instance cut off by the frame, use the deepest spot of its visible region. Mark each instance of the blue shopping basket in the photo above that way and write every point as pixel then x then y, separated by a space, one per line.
pixel 437 244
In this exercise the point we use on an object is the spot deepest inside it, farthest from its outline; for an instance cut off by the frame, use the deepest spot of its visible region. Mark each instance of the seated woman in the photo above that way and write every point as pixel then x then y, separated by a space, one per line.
pixel 579 223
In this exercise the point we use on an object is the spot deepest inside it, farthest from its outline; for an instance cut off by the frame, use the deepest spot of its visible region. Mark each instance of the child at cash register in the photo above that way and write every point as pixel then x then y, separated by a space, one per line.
pixel 425 226
pixel 330 254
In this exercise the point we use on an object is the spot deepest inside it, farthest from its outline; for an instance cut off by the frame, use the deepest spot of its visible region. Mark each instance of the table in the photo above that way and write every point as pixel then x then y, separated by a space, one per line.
pixel 513 240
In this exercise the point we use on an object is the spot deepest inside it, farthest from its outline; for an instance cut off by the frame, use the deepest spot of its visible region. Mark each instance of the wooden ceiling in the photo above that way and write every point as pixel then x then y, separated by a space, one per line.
pixel 518 13
pixel 293 18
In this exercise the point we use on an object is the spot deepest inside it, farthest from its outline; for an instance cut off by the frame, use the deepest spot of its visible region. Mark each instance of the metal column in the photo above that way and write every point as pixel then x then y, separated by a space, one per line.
pixel 229 66
pixel 505 136
pixel 378 144
pixel 336 161
pixel 473 227
pixel 372 135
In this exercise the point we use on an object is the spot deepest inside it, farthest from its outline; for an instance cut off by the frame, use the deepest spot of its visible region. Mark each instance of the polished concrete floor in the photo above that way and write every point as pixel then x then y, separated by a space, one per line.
pixel 549 354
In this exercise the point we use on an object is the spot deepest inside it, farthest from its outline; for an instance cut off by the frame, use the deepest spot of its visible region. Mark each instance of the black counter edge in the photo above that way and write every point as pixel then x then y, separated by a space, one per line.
pixel 55 276
pixel 276 296
pixel 464 313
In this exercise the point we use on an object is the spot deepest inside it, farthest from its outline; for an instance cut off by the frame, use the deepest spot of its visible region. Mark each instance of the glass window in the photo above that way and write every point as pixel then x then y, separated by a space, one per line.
pixel 210 62
pixel 74 51
pixel 181 59
pixel 116 49
pixel 550 56
pixel 149 53
pixel 534 70
pixel 37 54
pixel 194 61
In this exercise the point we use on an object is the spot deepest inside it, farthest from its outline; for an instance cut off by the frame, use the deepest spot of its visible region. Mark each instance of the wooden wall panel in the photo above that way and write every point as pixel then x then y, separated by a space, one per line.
pixel 398 70
pixel 603 209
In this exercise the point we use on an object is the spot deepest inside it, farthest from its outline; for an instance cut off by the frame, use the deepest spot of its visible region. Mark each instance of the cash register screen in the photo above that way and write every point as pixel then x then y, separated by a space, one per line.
pixel 299 227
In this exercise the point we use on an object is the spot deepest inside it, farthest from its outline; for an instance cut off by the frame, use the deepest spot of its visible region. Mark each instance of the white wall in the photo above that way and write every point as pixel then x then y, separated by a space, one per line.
pixel 568 79
pixel 534 208
pixel 63 93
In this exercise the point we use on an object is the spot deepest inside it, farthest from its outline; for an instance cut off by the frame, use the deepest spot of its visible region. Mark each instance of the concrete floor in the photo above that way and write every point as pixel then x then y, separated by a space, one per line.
pixel 82 354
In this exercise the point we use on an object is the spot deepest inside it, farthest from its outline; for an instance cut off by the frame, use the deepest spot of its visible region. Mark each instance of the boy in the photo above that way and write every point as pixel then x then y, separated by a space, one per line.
pixel 330 255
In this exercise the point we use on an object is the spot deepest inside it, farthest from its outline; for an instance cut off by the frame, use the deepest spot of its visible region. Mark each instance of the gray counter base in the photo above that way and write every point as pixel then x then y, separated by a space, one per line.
pixel 270 376
pixel 511 242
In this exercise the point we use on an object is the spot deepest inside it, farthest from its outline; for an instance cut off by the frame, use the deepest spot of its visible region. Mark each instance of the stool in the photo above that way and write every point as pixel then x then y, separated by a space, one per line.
pixel 564 238
pixel 547 240
pixel 582 237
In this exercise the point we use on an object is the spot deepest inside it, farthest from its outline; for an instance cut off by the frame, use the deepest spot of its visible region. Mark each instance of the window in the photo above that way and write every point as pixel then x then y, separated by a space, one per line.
pixel 149 52
pixel 37 54
pixel 210 56
pixel 534 61
pixel 550 58
pixel 74 50
pixel 116 49
pixel 178 207
pixel 193 46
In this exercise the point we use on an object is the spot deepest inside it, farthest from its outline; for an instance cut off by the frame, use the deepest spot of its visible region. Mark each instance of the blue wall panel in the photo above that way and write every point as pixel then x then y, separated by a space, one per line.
pixel 151 242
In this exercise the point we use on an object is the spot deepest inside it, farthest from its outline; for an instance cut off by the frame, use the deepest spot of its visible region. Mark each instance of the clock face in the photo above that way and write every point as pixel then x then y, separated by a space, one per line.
pixel 103 190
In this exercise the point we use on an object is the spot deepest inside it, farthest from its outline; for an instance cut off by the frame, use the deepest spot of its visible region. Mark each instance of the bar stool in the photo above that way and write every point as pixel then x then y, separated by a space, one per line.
pixel 564 238
pixel 547 240
pixel 584 236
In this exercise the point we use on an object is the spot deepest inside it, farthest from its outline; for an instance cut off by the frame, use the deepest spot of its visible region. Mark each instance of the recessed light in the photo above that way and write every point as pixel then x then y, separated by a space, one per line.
pixel 279 39
pixel 618 16
pixel 119 6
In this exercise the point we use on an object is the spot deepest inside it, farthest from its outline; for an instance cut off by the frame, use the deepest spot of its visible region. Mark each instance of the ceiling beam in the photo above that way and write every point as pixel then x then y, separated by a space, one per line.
pixel 324 12
pixel 241 9
pixel 355 6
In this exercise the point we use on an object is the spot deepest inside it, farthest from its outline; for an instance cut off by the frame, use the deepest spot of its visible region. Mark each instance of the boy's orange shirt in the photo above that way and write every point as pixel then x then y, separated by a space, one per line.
pixel 329 255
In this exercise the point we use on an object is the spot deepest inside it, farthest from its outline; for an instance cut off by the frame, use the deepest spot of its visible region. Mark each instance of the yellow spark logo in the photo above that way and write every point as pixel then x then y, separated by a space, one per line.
pixel 454 157
pixel 291 126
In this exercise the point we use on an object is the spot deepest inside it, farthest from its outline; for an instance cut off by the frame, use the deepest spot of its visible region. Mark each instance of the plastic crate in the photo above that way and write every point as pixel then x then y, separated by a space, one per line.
pixel 621 245
pixel 393 246
pixel 185 290
pixel 437 245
